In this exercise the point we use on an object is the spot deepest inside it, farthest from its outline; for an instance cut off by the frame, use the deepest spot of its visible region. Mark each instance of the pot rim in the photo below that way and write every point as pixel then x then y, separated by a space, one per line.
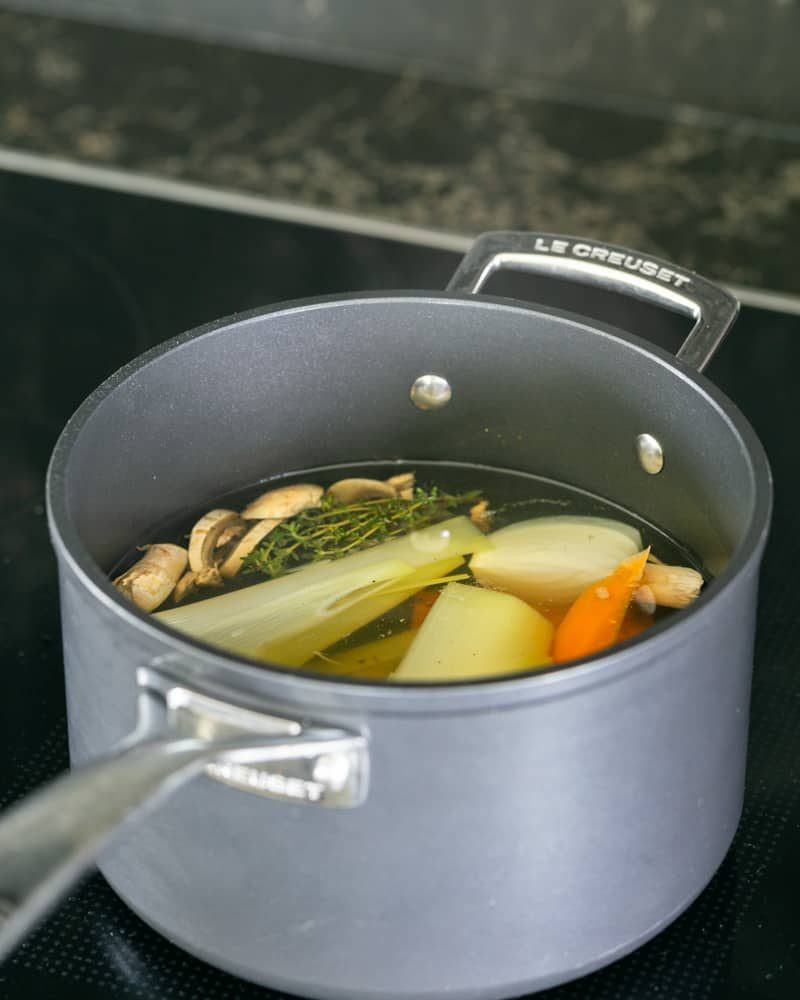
pixel 427 698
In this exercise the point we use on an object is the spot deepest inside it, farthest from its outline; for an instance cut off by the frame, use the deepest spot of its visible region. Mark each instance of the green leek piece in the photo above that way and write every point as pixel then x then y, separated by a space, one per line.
pixel 267 614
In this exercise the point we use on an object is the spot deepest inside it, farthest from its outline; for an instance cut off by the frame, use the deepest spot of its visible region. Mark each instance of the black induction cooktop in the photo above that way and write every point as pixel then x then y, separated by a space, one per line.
pixel 90 278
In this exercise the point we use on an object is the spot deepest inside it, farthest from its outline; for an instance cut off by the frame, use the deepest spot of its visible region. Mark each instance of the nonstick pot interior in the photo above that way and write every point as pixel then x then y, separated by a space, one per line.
pixel 328 381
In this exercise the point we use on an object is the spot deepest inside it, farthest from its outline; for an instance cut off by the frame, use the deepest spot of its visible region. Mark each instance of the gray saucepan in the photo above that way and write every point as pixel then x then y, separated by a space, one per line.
pixel 347 839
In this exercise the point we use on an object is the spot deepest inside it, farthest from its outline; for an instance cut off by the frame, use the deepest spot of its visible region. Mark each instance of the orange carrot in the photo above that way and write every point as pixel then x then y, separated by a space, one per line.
pixel 423 602
pixel 595 619
pixel 634 622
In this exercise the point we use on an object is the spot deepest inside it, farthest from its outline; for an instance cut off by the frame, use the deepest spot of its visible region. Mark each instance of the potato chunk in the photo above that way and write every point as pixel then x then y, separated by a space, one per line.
pixel 471 632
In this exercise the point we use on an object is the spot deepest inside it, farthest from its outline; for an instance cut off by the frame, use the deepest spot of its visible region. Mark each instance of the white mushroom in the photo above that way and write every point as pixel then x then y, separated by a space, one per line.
pixel 283 502
pixel 185 586
pixel 230 534
pixel 403 485
pixel 233 562
pixel 203 543
pixel 150 581
pixel 351 490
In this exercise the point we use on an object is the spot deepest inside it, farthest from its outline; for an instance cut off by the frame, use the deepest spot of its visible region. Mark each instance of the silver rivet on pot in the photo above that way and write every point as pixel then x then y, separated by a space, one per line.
pixel 430 392
pixel 650 454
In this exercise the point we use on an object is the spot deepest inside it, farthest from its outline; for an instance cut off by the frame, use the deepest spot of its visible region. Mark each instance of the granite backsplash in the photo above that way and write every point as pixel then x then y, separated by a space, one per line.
pixel 724 199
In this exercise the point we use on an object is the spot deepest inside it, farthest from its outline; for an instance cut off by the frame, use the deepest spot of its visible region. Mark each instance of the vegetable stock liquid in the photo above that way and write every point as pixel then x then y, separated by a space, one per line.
pixel 512 496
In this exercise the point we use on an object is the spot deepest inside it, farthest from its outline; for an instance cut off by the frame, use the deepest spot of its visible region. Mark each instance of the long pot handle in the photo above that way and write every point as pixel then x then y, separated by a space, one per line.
pixel 52 837
pixel 613 268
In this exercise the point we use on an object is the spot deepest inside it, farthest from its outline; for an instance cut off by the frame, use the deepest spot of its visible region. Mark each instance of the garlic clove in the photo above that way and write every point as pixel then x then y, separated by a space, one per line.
pixel 672 586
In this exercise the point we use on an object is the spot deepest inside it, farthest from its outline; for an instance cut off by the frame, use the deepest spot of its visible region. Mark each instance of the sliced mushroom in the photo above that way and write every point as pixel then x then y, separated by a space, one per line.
pixel 233 562
pixel 185 586
pixel 351 490
pixel 283 502
pixel 203 541
pixel 150 581
pixel 191 581
pixel 230 534
pixel 403 485
pixel 205 535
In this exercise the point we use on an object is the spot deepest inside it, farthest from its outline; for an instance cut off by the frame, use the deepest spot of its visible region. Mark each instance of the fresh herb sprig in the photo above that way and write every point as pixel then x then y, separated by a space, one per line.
pixel 333 530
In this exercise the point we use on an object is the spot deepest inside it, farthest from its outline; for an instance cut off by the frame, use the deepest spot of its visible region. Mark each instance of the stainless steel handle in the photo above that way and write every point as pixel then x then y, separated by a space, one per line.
pixel 51 838
pixel 613 268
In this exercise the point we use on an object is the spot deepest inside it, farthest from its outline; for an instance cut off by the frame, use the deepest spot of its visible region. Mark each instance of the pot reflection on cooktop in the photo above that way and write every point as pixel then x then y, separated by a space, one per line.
pixel 89 279
pixel 64 309
pixel 62 304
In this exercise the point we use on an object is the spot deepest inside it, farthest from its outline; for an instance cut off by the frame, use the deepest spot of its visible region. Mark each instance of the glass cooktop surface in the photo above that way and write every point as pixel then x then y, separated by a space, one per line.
pixel 88 279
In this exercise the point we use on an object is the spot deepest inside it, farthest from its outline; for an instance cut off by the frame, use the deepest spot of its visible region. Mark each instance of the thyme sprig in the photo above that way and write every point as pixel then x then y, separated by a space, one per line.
pixel 333 530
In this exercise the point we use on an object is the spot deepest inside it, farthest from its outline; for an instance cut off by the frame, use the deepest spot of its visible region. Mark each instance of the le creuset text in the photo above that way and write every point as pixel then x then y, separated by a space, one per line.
pixel 617 258
pixel 269 782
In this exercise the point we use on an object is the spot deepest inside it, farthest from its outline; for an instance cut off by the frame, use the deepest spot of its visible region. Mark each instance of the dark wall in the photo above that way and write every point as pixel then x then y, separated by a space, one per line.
pixel 737 56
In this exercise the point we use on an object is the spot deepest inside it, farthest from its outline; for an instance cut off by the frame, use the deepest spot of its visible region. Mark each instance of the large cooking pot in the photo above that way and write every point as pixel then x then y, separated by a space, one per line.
pixel 516 833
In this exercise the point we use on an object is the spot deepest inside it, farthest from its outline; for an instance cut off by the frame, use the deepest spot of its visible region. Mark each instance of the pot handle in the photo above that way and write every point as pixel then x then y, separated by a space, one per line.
pixel 51 838
pixel 612 268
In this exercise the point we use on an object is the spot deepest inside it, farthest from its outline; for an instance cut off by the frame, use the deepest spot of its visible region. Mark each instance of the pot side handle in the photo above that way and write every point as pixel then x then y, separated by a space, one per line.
pixel 52 837
pixel 612 268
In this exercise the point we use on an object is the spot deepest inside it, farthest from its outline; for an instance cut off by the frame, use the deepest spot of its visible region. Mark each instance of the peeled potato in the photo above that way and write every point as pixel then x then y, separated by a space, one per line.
pixel 471 632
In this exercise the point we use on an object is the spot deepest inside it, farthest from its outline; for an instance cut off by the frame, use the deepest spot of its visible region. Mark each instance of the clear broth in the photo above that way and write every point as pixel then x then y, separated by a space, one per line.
pixel 513 496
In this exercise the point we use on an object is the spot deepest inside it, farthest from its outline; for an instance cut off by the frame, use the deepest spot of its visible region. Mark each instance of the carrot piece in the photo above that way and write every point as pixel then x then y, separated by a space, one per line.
pixel 423 602
pixel 594 620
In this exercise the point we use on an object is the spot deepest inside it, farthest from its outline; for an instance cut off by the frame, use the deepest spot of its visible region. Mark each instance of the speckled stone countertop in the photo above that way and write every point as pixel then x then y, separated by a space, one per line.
pixel 724 200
